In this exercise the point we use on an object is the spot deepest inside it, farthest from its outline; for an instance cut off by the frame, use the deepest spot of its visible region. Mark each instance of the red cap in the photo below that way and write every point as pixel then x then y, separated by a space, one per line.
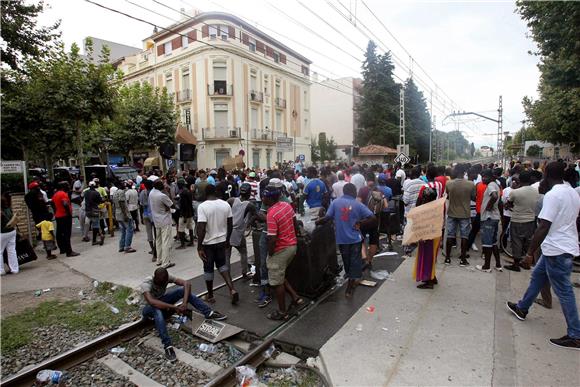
pixel 33 185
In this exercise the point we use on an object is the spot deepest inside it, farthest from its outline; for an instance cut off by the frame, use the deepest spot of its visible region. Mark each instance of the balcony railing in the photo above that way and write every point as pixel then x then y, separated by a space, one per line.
pixel 184 95
pixel 256 96
pixel 221 133
pixel 266 135
pixel 280 103
pixel 218 89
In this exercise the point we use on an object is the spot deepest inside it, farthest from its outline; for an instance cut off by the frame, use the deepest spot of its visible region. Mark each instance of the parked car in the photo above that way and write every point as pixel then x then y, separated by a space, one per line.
pixel 113 175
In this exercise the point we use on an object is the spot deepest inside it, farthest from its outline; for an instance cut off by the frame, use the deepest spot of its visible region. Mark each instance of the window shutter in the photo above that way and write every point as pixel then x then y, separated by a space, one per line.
pixel 245 39
pixel 205 31
pixel 282 58
pixel 176 43
pixel 260 46
pixel 269 51
pixel 160 49
pixel 192 36
pixel 231 32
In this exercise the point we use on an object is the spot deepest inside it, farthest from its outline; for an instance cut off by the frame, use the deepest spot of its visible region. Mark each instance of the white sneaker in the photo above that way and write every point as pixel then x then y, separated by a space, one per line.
pixel 499 268
pixel 480 268
pixel 474 247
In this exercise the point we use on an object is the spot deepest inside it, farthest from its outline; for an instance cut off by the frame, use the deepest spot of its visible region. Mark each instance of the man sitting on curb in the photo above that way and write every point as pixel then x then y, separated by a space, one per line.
pixel 159 304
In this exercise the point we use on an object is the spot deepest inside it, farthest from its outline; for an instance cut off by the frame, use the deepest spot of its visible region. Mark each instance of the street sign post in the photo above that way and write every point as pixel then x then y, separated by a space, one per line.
pixel 402 158
pixel 302 157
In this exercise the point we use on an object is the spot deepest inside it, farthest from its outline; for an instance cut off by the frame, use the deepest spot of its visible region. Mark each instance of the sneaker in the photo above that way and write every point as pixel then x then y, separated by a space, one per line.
pixel 170 353
pixel 520 314
pixel 499 268
pixel 514 267
pixel 474 247
pixel 480 268
pixel 566 342
pixel 447 261
pixel 216 316
pixel 264 302
pixel 463 262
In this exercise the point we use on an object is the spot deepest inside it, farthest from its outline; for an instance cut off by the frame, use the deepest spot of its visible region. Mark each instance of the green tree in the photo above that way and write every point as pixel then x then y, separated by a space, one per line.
pixel 379 105
pixel 314 150
pixel 417 121
pixel 22 38
pixel 534 151
pixel 555 27
pixel 145 118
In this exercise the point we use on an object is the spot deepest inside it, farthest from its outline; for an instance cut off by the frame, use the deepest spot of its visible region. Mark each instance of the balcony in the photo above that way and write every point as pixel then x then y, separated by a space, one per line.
pixel 221 133
pixel 220 89
pixel 256 96
pixel 266 135
pixel 280 103
pixel 184 95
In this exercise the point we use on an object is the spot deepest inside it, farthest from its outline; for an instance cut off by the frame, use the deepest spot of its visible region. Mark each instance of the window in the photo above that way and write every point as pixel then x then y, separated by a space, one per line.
pixel 279 156
pixel 277 88
pixel 185 79
pixel 186 118
pixel 276 57
pixel 167 48
pixel 305 70
pixel 253 80
pixel 184 41
pixel 252 44
pixel 224 32
pixel 256 158
pixel 220 78
pixel 213 31
pixel 268 158
pixel 220 113
pixel 220 156
pixel 169 83
pixel 279 121
pixel 254 119
pixel 267 119
pixel 266 85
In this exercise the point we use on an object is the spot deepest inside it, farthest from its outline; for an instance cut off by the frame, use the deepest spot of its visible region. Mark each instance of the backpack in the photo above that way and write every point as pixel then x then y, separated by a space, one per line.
pixel 375 201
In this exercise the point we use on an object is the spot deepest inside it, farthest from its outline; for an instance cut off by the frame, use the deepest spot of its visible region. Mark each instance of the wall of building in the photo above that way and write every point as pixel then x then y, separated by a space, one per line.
pixel 265 98
pixel 331 110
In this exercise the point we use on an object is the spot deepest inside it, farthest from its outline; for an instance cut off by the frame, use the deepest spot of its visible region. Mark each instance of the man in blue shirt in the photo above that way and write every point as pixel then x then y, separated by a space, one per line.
pixel 315 190
pixel 349 216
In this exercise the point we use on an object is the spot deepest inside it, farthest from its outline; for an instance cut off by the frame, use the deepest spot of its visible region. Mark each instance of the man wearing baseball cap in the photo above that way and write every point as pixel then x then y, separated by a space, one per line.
pixel 36 203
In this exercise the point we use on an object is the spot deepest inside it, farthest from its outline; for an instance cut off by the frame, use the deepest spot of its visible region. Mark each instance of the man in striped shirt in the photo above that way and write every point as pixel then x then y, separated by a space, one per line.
pixel 282 243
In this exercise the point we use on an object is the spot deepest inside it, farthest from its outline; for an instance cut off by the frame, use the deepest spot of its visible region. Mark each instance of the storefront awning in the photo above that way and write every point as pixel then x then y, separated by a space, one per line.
pixel 151 161
pixel 184 136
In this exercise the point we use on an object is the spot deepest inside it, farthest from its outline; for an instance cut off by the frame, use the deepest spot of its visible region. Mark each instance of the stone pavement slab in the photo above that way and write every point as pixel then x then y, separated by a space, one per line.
pixel 458 334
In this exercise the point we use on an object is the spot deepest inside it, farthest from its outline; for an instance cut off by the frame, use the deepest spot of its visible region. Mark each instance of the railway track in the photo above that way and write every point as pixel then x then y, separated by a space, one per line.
pixel 140 337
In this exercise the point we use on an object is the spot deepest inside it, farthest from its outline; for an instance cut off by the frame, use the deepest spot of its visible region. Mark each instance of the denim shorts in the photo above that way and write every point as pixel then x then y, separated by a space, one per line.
pixel 489 230
pixel 463 224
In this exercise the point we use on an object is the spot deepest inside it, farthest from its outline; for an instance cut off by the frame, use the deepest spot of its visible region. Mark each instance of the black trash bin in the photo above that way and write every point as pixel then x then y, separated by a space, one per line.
pixel 315 266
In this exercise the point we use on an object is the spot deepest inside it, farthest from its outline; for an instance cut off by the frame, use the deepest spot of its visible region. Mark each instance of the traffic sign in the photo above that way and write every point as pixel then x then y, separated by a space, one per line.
pixel 302 157
pixel 402 158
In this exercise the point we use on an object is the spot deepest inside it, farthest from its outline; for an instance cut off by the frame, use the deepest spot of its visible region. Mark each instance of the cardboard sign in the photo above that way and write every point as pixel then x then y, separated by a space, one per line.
pixel 424 222
pixel 210 330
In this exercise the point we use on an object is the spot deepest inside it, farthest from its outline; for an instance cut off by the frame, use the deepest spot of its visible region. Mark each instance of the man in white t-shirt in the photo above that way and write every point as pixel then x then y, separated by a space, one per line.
pixel 558 236
pixel 214 229
pixel 338 186
pixel 357 178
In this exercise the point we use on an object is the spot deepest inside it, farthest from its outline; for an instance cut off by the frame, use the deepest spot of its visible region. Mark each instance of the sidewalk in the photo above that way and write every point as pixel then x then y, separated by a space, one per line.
pixel 458 334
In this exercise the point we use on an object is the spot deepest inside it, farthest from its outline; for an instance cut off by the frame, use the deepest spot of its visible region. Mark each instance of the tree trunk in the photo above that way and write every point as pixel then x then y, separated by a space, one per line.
pixel 50 167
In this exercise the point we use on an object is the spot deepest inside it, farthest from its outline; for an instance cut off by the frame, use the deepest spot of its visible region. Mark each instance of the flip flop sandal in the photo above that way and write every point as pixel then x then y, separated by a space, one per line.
pixel 299 302
pixel 277 316
pixel 235 298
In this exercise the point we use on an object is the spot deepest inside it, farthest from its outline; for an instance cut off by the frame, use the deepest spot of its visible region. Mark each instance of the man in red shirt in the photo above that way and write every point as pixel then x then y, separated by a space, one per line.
pixel 63 216
pixel 282 243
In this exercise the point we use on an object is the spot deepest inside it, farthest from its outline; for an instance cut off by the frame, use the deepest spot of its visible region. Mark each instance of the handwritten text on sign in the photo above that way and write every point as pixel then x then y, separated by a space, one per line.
pixel 424 222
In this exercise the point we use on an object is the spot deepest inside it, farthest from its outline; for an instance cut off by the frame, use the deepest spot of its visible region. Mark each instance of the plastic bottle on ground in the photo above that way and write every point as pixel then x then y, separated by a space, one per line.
pixel 209 348
pixel 46 377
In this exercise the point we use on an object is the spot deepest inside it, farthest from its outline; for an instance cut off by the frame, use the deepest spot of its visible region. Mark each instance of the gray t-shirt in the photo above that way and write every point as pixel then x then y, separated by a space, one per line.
pixel 525 200
pixel 160 206
pixel 156 291
pixel 494 212
pixel 460 192
pixel 120 200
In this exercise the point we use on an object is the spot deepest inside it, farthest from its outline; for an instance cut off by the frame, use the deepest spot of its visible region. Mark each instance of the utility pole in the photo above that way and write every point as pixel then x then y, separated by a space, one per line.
pixel 431 129
pixel 402 117
pixel 499 147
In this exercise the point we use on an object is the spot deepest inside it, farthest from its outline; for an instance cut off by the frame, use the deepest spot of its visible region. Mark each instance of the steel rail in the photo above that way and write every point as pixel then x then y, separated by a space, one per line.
pixel 84 352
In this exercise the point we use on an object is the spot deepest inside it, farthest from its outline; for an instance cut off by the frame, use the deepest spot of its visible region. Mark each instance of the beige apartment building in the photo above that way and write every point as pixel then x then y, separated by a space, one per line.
pixel 236 88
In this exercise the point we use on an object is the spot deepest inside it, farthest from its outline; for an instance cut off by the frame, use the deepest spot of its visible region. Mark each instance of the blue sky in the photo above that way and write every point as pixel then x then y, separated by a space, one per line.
pixel 473 51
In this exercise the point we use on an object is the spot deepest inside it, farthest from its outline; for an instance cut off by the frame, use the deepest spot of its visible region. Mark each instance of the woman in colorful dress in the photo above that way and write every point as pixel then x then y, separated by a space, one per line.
pixel 425 263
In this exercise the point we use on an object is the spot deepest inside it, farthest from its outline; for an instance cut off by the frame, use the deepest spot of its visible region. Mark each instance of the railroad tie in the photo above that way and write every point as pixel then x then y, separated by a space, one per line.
pixel 120 367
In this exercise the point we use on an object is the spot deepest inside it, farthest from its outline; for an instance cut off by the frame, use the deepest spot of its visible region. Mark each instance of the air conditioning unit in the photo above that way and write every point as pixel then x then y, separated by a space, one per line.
pixel 233 133
pixel 213 37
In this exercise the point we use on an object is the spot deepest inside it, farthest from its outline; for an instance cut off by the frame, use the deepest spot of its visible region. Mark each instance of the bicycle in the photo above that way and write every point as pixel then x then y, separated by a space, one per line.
pixel 506 242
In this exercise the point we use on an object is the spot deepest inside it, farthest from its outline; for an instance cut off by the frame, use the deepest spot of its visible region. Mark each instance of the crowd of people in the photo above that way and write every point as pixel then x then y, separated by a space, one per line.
pixel 535 207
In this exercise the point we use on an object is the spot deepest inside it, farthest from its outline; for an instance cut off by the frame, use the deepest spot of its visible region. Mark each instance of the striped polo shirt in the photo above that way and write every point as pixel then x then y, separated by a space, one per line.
pixel 281 224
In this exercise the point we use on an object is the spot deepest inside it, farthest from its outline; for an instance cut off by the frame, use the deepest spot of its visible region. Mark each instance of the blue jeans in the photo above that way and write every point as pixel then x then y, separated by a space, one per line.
pixel 557 271
pixel 126 228
pixel 263 258
pixel 352 259
pixel 159 315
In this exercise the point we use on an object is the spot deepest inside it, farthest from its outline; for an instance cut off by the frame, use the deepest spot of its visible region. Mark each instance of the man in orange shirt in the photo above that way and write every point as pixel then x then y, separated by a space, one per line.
pixel 63 216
